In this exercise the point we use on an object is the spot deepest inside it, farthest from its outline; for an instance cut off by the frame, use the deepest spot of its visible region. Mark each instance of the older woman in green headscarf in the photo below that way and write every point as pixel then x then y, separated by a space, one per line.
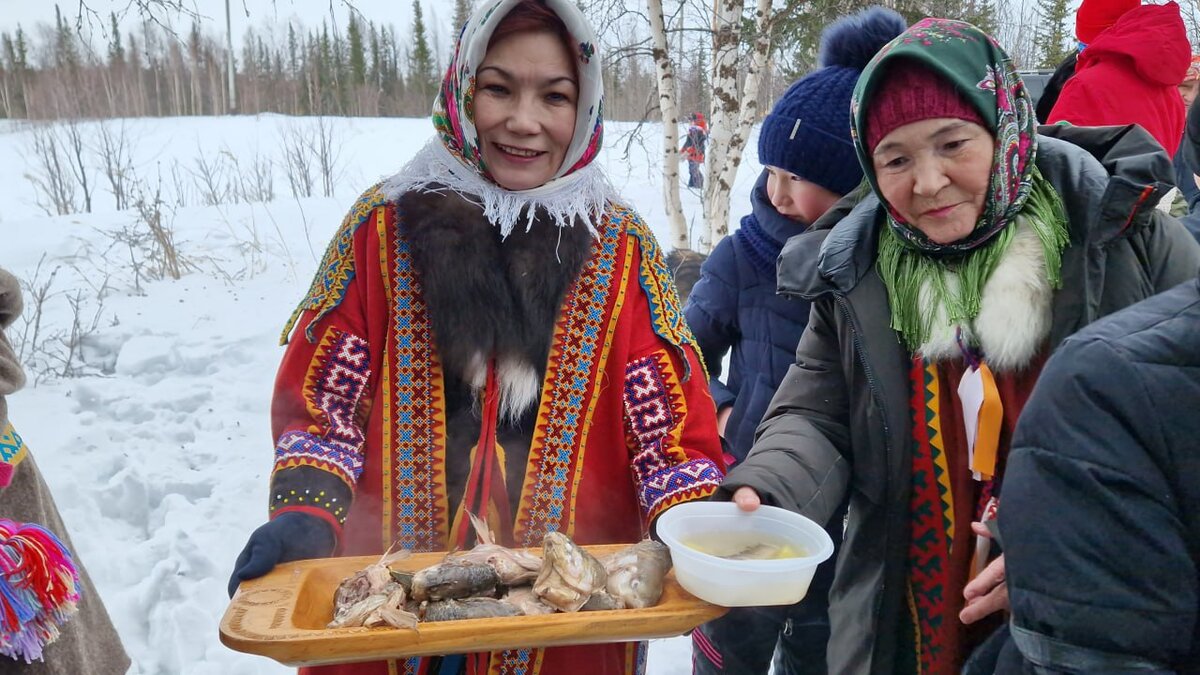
pixel 936 300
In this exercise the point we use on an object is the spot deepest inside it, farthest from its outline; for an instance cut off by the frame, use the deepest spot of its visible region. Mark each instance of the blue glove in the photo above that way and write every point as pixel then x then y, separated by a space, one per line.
pixel 291 536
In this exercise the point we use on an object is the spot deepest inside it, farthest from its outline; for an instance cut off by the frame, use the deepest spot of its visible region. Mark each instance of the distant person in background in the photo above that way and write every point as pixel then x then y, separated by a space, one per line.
pixel 1054 85
pixel 1128 72
pixel 1184 172
pixel 1092 18
pixel 693 149
pixel 684 265
pixel 809 164
pixel 1189 153
pixel 1096 16
pixel 1191 82
pixel 52 621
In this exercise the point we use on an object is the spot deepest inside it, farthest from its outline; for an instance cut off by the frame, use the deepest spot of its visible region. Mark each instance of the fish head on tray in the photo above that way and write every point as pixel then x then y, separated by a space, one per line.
pixel 569 575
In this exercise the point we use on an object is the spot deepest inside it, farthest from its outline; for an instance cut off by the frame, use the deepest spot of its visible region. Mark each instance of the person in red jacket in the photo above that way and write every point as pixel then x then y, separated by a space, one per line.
pixel 693 149
pixel 1129 73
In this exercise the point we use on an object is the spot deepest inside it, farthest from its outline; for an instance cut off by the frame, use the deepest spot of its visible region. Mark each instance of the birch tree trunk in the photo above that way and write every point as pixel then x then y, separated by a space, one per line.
pixel 727 17
pixel 739 114
pixel 670 127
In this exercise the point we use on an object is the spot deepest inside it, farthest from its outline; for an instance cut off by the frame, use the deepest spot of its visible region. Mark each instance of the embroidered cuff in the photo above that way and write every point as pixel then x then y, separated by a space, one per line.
pixel 685 482
pixel 313 491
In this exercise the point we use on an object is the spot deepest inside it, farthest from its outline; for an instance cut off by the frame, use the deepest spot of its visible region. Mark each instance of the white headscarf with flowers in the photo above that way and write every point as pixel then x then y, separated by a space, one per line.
pixel 452 160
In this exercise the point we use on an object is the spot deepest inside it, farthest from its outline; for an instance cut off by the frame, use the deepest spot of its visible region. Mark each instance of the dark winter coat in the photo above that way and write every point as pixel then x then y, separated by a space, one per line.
pixel 1107 445
pixel 1185 180
pixel 1187 164
pixel 1054 87
pixel 841 423
pixel 735 306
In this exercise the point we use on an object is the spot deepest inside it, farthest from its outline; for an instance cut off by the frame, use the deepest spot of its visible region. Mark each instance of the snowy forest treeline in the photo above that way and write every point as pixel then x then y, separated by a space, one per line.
pixel 372 68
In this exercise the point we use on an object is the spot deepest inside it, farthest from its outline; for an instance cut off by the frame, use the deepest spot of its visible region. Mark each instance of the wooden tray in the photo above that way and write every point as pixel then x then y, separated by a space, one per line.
pixel 283 616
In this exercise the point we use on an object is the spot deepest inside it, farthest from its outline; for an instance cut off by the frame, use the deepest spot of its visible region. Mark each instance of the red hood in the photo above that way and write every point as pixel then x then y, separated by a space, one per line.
pixel 1152 36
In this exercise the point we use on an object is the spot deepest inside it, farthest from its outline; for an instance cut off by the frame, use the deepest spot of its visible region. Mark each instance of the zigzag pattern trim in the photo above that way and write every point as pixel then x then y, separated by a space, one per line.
pixel 655 412
pixel 299 448
pixel 580 345
pixel 695 479
pixel 12 448
pixel 655 277
pixel 336 269
pixel 415 435
pixel 933 419
pixel 929 546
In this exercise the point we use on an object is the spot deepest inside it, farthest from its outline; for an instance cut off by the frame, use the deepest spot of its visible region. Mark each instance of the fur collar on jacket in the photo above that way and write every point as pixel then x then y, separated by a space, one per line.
pixel 1014 309
pixel 489 296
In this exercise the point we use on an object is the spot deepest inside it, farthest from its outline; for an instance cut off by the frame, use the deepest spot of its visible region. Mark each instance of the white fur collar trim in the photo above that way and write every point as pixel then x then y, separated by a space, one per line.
pixel 1014 309
pixel 518 381
pixel 584 194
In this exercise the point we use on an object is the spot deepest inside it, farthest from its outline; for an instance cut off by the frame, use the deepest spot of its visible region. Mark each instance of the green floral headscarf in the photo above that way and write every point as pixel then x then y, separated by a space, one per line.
pixel 984 75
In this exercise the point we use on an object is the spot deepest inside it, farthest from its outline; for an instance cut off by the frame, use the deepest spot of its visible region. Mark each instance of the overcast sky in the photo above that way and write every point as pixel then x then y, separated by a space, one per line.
pixel 437 13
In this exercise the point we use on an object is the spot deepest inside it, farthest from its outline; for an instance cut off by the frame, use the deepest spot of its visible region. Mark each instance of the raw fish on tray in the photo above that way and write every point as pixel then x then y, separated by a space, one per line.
pixel 493 581
pixel 373 598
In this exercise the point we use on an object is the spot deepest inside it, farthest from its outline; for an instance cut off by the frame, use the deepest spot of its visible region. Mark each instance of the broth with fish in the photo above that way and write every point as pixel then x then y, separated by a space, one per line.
pixel 744 546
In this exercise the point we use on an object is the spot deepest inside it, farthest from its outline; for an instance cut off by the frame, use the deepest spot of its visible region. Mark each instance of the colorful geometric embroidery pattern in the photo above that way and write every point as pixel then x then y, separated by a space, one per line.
pixel 333 389
pixel 647 402
pixel 932 523
pixel 337 266
pixel 653 409
pixel 575 355
pixel 656 280
pixel 12 448
pixel 12 451
pixel 300 448
pixel 415 430
pixel 511 662
pixel 417 426
pixel 333 445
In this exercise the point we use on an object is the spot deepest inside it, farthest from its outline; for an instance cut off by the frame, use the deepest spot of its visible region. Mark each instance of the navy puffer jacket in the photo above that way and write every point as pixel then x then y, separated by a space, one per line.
pixel 735 307
pixel 1100 512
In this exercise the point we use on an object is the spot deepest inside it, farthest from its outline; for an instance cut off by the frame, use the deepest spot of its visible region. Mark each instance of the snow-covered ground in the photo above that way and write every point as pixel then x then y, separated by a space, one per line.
pixel 158 449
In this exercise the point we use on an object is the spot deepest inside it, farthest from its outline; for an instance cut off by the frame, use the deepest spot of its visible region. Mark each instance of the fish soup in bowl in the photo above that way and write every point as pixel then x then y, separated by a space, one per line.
pixel 736 558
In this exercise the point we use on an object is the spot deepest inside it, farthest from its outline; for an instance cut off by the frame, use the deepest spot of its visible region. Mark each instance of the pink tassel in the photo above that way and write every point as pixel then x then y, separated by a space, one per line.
pixel 39 589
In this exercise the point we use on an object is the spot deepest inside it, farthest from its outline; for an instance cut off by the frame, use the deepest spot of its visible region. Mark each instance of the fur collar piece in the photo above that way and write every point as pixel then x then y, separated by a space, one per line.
pixel 581 196
pixel 1014 310
pixel 492 297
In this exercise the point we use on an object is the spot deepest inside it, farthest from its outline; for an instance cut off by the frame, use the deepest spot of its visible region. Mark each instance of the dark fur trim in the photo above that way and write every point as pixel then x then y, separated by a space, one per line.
pixel 486 295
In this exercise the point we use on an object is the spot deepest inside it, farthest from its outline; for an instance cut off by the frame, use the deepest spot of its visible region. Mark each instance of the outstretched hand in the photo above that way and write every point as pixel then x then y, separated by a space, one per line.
pixel 746 498
pixel 291 536
pixel 988 592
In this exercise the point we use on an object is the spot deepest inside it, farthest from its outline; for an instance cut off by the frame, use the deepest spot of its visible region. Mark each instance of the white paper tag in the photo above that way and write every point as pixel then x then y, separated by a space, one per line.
pixel 970 394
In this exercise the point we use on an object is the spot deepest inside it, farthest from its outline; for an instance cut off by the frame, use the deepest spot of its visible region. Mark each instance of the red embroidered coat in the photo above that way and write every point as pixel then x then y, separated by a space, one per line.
pixel 625 424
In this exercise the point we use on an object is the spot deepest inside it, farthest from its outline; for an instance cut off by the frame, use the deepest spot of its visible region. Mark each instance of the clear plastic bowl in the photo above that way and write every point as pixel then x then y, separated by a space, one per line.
pixel 742 583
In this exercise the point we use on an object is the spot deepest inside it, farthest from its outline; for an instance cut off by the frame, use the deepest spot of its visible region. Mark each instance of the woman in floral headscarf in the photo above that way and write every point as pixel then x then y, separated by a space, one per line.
pixel 491 331
pixel 935 303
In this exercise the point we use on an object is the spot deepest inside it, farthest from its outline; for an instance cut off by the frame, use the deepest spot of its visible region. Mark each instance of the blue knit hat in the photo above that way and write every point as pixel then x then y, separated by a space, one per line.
pixel 808 130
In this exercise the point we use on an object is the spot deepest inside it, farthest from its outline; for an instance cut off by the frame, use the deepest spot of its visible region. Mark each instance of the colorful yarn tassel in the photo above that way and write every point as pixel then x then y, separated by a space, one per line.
pixel 39 589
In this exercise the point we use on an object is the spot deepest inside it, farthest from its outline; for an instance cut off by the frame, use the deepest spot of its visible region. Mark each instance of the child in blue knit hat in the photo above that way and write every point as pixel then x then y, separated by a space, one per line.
pixel 809 164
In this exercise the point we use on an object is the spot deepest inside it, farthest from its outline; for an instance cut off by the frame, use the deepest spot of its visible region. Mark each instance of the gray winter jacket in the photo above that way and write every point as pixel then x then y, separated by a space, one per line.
pixel 88 644
pixel 840 422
